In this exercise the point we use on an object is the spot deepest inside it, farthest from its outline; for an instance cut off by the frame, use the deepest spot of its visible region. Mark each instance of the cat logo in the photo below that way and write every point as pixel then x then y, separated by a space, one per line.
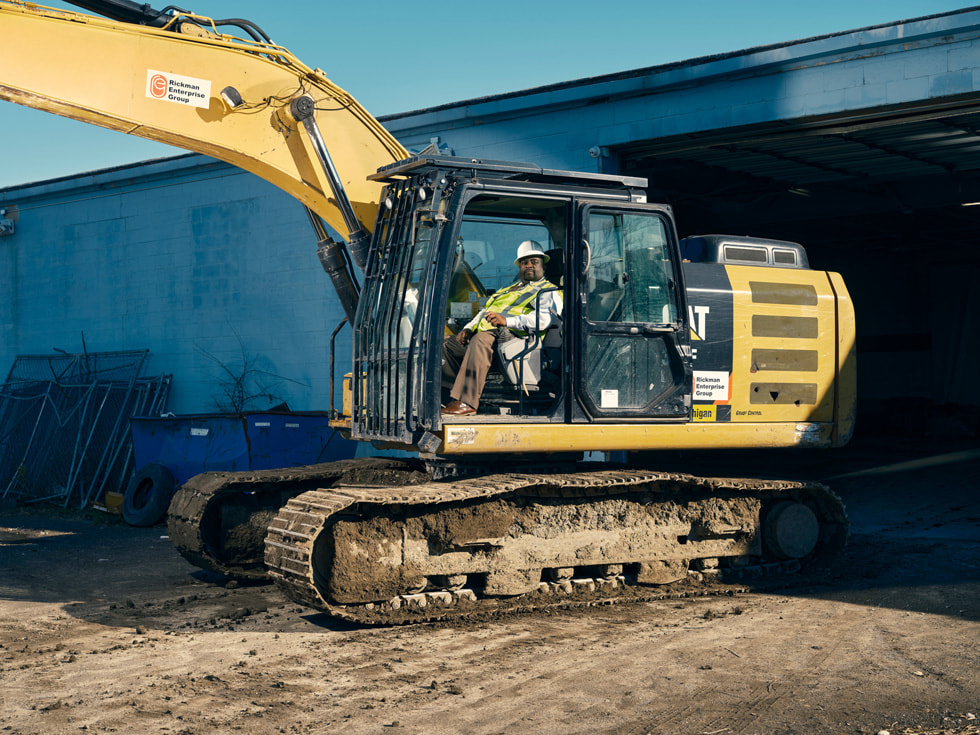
pixel 698 316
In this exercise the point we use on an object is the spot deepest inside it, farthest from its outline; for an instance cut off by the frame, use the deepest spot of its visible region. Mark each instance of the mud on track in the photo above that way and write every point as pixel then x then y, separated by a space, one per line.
pixel 104 628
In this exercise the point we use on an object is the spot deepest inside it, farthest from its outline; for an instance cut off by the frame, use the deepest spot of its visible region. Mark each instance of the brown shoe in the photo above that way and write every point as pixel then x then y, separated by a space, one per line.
pixel 458 408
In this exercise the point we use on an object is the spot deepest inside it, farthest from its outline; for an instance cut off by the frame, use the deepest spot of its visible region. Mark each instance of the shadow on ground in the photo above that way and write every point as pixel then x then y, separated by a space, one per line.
pixel 915 544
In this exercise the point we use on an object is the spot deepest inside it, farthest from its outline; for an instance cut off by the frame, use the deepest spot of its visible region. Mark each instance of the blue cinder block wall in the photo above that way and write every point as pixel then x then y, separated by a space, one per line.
pixel 212 269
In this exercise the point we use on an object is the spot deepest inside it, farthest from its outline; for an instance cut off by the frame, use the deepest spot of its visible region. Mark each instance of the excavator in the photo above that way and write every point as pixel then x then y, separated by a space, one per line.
pixel 706 342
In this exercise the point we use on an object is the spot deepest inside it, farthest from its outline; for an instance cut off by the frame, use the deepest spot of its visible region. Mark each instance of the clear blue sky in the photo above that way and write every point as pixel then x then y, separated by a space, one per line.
pixel 398 55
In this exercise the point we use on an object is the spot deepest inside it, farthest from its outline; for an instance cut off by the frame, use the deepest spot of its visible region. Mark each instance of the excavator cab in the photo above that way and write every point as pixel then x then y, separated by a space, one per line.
pixel 445 238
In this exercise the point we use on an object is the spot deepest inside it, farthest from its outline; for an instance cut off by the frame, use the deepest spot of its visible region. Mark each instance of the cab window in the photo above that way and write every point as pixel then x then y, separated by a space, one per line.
pixel 630 273
pixel 491 229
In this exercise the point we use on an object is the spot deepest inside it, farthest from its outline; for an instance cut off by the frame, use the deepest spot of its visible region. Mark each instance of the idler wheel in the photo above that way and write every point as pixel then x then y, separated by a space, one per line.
pixel 791 530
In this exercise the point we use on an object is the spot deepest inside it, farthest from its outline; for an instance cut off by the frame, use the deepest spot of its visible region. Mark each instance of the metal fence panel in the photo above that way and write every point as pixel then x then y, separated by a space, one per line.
pixel 64 424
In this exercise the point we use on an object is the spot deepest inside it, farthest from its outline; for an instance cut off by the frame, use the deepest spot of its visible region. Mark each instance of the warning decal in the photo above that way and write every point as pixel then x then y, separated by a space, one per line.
pixel 183 90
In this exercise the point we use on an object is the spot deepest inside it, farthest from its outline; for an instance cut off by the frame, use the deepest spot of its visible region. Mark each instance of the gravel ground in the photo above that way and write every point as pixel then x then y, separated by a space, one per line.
pixel 105 628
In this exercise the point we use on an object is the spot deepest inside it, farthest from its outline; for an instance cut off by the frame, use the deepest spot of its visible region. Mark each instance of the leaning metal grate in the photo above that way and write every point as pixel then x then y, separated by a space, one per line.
pixel 64 424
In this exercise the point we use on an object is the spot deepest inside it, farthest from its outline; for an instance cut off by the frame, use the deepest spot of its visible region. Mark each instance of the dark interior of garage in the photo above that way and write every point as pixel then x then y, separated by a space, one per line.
pixel 891 200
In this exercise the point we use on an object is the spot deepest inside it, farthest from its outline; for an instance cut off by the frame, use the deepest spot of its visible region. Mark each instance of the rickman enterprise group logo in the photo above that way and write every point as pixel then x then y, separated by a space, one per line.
pixel 179 89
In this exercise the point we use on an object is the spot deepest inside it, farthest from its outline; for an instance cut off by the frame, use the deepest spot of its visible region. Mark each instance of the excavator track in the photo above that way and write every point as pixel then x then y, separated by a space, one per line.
pixel 218 520
pixel 507 543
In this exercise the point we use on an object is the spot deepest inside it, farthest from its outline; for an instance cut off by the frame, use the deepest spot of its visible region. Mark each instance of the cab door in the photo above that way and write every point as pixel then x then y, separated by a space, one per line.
pixel 632 357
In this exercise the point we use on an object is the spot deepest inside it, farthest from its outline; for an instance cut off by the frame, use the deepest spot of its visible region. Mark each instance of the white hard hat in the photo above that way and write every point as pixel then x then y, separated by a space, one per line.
pixel 528 248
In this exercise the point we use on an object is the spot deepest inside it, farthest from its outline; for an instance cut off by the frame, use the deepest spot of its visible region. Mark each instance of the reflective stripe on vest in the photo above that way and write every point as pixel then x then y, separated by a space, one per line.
pixel 513 303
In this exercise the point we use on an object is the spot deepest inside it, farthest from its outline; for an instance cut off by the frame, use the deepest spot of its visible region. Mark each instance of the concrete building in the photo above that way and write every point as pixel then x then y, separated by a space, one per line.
pixel 862 145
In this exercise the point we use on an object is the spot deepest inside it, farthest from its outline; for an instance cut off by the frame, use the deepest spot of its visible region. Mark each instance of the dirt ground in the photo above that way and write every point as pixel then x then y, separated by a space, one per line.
pixel 104 628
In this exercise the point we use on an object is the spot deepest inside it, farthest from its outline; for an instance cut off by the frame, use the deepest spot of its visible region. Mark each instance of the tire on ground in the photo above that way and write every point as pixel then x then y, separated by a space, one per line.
pixel 148 495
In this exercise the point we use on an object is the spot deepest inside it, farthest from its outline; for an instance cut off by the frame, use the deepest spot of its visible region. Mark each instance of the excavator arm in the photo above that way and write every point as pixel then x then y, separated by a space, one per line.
pixel 247 102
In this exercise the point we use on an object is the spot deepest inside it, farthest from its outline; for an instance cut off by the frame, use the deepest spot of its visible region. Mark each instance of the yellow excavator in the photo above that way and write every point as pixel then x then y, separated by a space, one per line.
pixel 707 342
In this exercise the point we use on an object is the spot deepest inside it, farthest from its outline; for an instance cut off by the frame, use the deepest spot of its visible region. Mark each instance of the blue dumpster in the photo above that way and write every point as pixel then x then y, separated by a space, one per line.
pixel 193 443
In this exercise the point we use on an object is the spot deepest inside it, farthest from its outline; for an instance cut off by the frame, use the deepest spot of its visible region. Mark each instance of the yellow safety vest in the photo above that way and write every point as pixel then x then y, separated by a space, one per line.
pixel 513 302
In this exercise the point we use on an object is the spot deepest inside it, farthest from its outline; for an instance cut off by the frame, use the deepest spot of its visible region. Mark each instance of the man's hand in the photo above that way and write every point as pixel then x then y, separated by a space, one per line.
pixel 497 320
pixel 463 336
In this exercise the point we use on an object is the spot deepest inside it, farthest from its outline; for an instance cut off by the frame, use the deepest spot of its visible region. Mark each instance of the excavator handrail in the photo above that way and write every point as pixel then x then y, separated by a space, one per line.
pixel 169 86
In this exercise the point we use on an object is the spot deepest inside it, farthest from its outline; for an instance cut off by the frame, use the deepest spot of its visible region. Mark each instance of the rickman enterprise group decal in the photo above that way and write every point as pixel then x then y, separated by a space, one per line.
pixel 162 85
pixel 710 314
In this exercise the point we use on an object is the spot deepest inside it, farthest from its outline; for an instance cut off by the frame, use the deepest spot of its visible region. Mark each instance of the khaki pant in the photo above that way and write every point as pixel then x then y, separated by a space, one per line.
pixel 466 368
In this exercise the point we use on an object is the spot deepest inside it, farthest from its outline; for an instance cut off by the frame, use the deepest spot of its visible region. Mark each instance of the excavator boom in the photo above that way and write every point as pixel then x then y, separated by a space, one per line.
pixel 190 86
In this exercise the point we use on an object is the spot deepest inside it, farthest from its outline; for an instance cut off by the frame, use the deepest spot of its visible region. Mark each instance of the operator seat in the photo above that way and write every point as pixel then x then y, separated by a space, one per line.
pixel 554 269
